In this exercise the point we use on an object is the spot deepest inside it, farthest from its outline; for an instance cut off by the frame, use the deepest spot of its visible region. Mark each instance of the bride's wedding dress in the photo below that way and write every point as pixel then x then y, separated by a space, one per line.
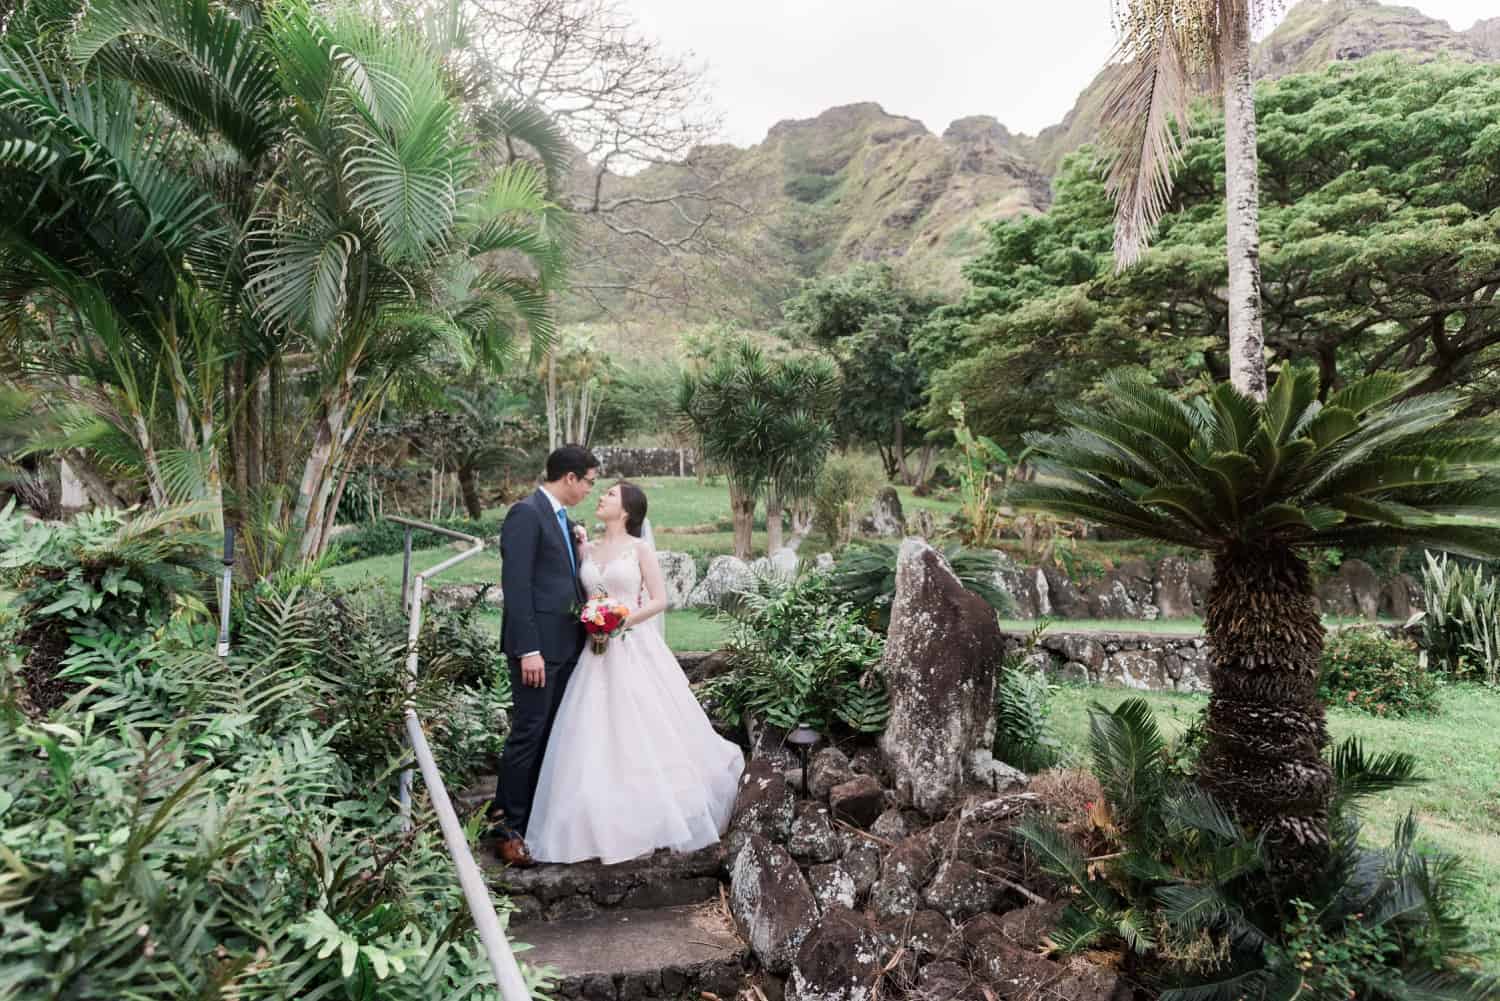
pixel 633 763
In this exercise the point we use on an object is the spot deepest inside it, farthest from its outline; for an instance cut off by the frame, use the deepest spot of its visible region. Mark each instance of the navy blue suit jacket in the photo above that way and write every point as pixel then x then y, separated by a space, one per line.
pixel 540 587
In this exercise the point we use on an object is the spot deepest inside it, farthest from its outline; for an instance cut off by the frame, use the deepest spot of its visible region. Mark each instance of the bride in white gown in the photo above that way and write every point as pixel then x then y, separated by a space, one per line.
pixel 633 763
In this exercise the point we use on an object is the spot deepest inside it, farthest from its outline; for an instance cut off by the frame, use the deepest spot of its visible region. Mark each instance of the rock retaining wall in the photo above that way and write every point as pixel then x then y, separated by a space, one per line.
pixel 627 462
pixel 1146 661
pixel 1175 588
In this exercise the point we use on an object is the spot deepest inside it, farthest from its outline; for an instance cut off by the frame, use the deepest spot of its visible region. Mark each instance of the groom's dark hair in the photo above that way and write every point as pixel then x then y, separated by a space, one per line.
pixel 573 459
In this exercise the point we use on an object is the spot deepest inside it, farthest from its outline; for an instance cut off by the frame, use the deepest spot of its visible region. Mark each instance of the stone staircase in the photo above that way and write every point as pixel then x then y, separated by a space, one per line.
pixel 655 927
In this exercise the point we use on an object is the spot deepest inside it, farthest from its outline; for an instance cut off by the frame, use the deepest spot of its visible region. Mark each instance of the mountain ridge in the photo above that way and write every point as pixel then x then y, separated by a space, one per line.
pixel 859 183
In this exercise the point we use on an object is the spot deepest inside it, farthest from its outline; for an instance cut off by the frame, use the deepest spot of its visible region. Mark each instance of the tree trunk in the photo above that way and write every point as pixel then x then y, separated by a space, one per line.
pixel 1247 354
pixel 553 440
pixel 742 509
pixel 312 493
pixel 773 522
pixel 94 483
pixel 468 483
pixel 1266 730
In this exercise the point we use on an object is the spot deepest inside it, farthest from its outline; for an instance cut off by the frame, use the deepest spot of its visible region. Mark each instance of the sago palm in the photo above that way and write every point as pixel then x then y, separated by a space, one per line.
pixel 1170 49
pixel 1256 484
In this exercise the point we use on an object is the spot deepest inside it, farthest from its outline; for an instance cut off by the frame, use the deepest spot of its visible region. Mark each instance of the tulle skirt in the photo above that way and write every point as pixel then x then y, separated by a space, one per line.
pixel 633 763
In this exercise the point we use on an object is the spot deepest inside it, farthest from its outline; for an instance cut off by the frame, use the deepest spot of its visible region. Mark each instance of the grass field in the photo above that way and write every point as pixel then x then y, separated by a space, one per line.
pixel 1458 751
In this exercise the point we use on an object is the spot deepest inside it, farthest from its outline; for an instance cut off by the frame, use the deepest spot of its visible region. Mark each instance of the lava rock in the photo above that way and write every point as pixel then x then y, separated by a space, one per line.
pixel 839 960
pixel 763 807
pixel 812 838
pixel 939 661
pixel 859 801
pixel 771 903
pixel 828 768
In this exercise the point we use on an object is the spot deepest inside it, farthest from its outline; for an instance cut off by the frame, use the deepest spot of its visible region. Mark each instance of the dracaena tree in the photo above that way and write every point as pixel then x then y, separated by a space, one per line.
pixel 768 424
pixel 1256 484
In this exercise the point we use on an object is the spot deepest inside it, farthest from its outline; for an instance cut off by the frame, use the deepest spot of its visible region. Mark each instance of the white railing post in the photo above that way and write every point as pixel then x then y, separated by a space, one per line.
pixel 503 964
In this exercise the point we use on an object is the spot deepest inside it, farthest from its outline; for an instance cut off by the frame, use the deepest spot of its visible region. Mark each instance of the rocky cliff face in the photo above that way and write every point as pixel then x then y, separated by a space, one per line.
pixel 858 183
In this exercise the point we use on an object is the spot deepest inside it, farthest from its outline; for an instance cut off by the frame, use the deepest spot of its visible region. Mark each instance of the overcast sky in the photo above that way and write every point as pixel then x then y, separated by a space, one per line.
pixel 1022 61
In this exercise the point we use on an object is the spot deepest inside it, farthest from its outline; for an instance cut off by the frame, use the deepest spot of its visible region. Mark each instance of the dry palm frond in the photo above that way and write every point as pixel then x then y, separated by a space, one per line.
pixel 1168 50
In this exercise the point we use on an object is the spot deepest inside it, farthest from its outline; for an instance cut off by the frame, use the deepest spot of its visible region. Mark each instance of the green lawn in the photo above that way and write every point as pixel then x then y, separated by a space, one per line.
pixel 1458 752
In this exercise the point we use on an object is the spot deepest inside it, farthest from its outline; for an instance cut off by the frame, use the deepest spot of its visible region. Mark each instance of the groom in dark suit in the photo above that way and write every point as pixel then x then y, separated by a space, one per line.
pixel 540 633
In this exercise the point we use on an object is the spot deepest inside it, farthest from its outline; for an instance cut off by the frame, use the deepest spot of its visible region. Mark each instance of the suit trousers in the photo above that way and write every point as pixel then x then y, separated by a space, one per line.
pixel 532 714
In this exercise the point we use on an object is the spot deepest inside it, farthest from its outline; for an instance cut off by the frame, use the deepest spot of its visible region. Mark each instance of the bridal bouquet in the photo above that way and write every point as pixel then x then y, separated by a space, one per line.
pixel 603 618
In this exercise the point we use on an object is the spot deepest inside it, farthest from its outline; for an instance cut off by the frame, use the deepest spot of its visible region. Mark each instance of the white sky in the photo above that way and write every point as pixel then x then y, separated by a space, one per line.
pixel 1022 61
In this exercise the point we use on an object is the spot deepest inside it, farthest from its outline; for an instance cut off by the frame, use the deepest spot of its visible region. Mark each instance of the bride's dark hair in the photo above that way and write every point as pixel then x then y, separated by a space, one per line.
pixel 633 500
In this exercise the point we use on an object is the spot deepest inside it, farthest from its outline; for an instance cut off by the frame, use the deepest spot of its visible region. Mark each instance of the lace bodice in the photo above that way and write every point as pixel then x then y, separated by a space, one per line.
pixel 620 578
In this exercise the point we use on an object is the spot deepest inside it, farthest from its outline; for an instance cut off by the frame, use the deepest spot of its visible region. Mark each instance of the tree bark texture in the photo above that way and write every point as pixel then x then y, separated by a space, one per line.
pixel 1247 355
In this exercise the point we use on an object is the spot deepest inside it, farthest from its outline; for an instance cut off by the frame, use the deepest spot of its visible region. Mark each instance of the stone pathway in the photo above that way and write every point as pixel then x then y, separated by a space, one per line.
pixel 653 927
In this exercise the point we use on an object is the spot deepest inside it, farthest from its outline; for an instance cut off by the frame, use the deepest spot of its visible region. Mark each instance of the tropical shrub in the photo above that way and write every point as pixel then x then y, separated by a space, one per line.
pixel 980 463
pixel 1461 624
pixel 846 486
pixel 1173 879
pixel 865 576
pixel 103 571
pixel 1259 484
pixel 801 654
pixel 1023 733
pixel 1380 674
pixel 194 826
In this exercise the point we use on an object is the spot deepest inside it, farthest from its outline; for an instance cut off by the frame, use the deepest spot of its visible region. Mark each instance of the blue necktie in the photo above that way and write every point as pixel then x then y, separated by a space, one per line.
pixel 562 521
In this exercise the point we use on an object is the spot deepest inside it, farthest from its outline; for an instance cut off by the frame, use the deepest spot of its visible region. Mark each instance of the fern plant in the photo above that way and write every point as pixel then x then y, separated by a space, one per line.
pixel 1184 887
pixel 801 655
pixel 1023 733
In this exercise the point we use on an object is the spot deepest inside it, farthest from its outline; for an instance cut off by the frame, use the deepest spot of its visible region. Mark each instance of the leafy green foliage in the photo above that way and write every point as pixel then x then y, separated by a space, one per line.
pixel 184 825
pixel 846 486
pixel 1382 675
pixel 1172 877
pixel 1461 624
pixel 1378 205
pixel 1362 467
pixel 865 577
pixel 864 320
pixel 802 654
pixel 981 464
pixel 1023 735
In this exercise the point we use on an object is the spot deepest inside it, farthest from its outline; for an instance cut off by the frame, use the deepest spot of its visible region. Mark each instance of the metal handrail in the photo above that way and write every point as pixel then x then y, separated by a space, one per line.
pixel 502 961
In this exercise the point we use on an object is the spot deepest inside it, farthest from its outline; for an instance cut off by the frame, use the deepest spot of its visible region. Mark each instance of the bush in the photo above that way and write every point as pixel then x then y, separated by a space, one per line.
pixel 382 538
pixel 103 571
pixel 1023 730
pixel 846 486
pixel 185 823
pixel 1461 626
pixel 865 576
pixel 1160 869
pixel 801 655
pixel 1384 676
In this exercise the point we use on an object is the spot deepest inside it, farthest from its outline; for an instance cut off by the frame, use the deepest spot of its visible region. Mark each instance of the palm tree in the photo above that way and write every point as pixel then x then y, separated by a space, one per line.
pixel 252 226
pixel 1255 484
pixel 767 424
pixel 1166 47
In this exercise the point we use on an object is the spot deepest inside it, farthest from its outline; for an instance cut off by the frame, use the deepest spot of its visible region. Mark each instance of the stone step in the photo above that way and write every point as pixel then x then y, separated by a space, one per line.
pixel 624 955
pixel 555 892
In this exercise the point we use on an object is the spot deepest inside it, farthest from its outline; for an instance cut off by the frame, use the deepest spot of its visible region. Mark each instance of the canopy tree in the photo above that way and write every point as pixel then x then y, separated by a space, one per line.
pixel 242 228
pixel 864 320
pixel 1381 220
